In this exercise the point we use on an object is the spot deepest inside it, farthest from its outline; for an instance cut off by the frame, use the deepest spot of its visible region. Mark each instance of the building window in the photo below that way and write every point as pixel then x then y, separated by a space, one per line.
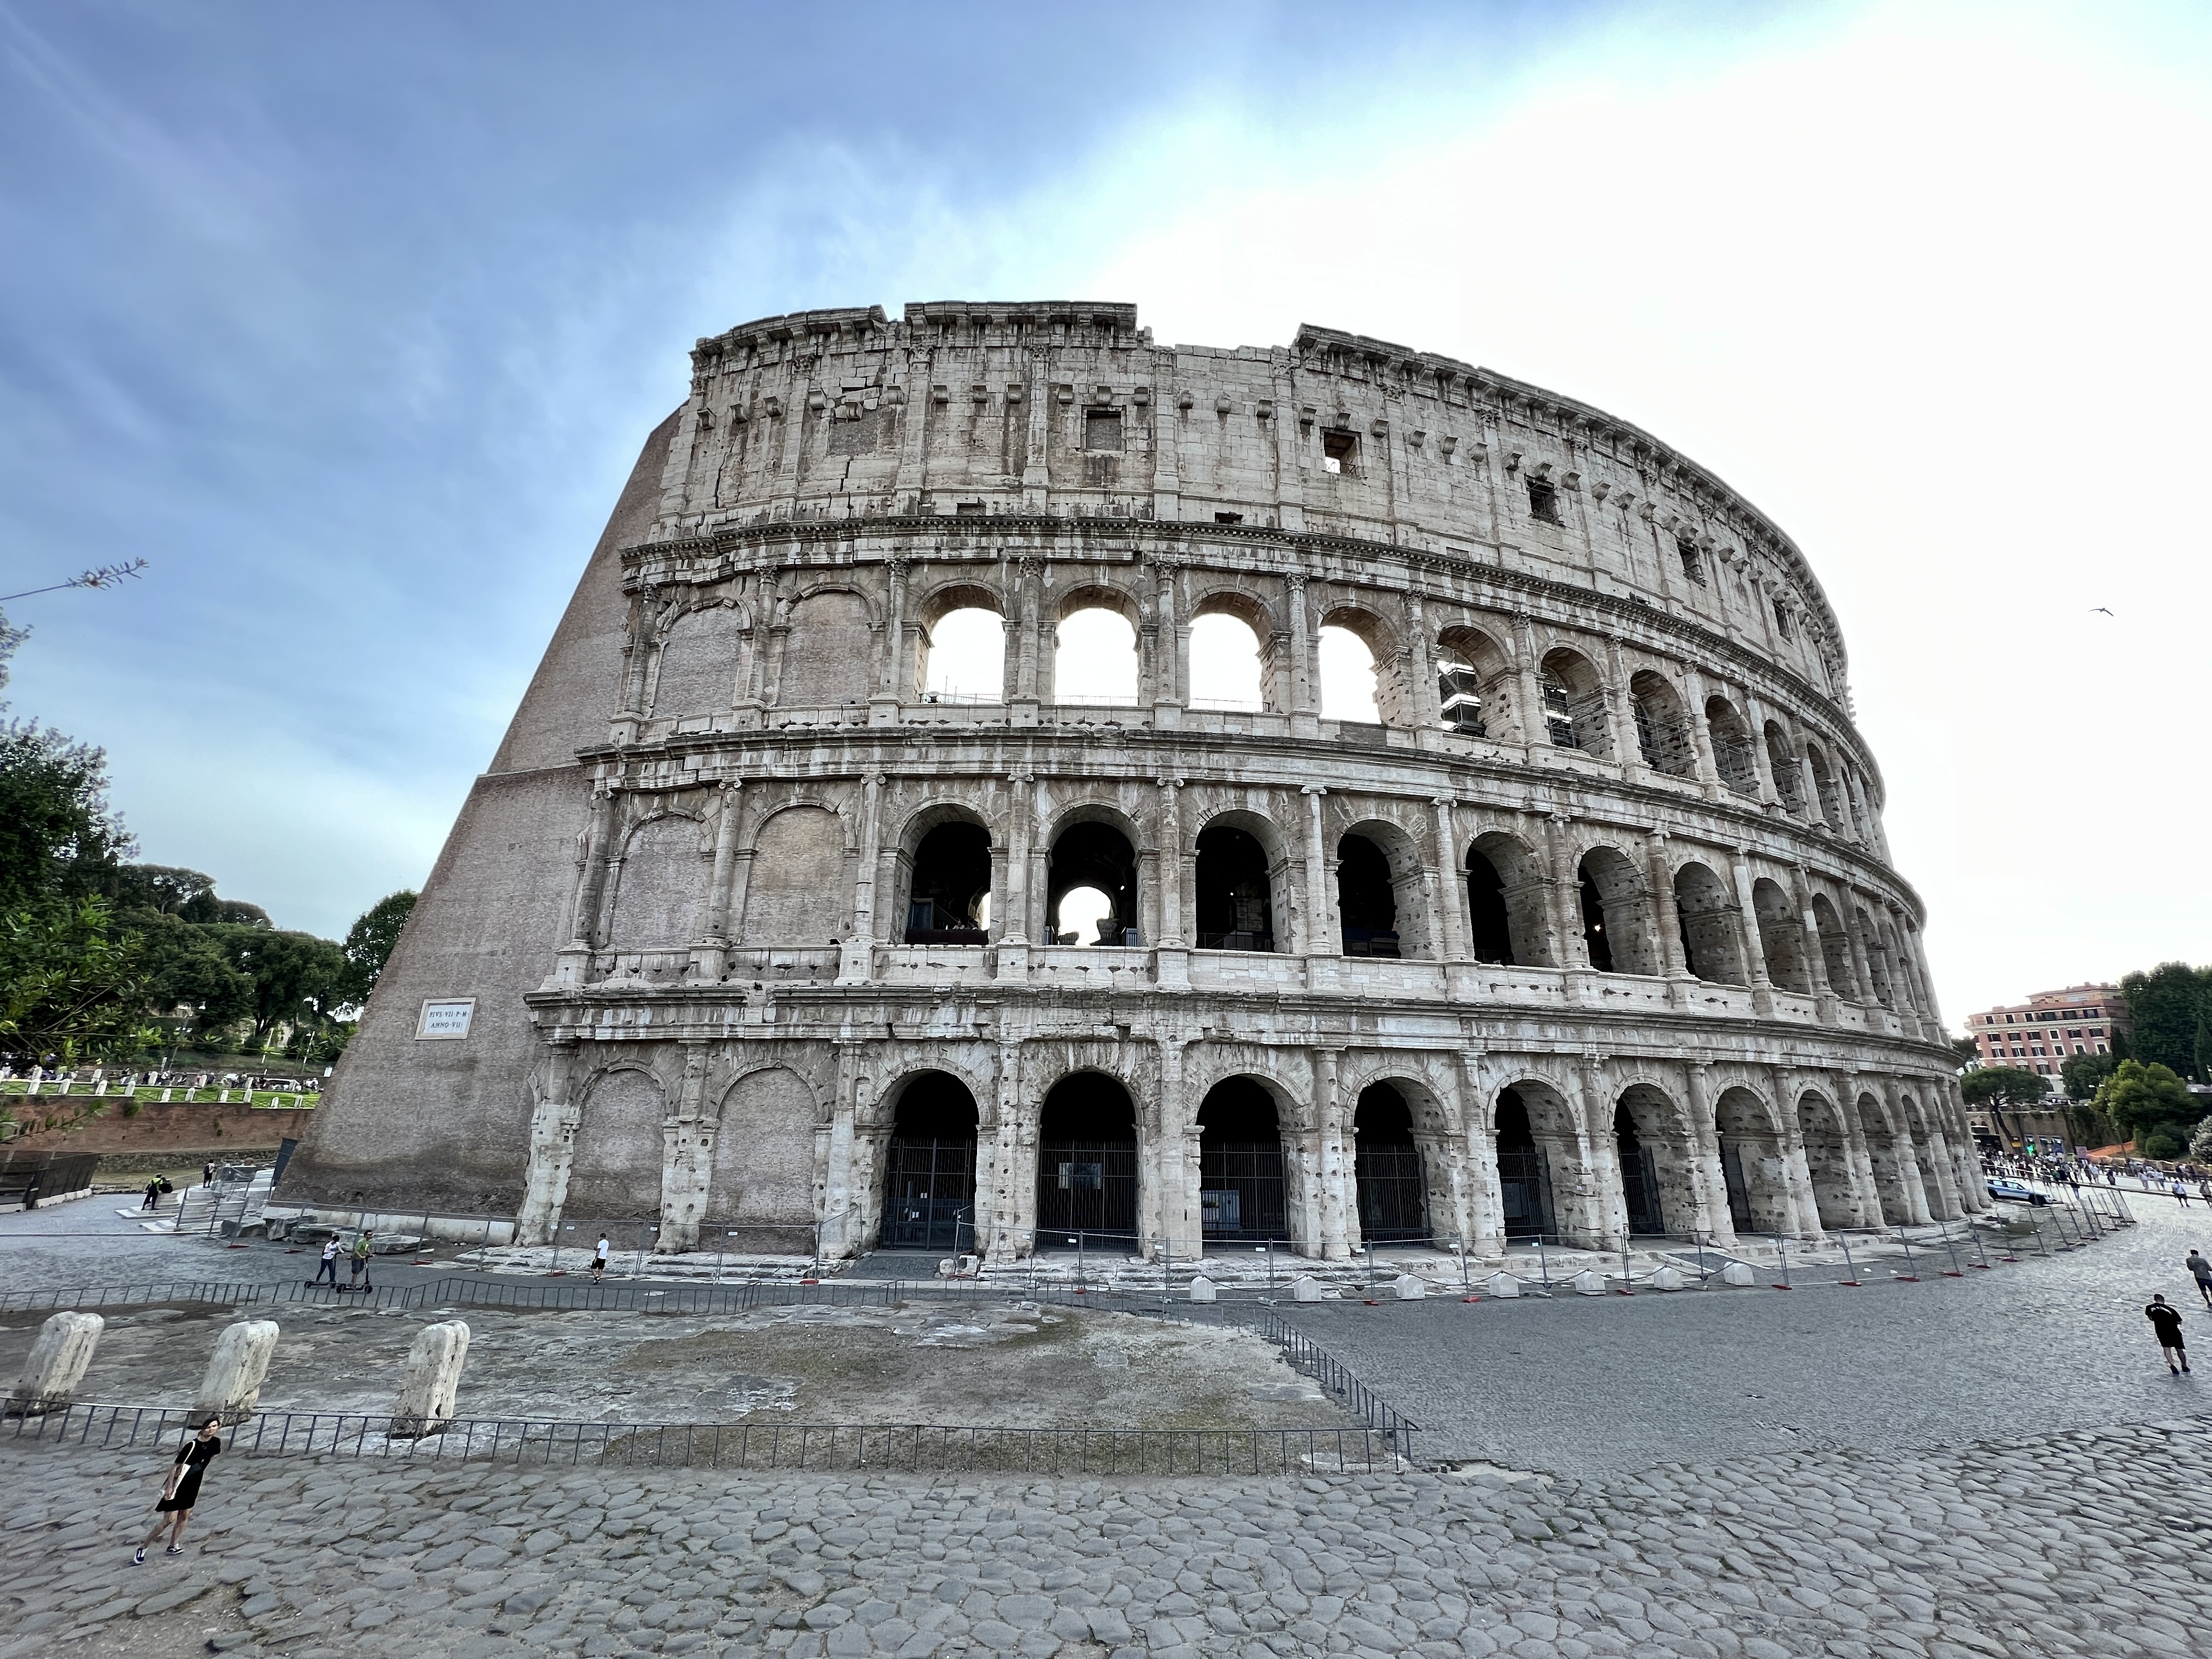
pixel 968 508
pixel 1693 563
pixel 1102 429
pixel 2101 1048
pixel 1229 518
pixel 1543 501
pixel 1340 452
pixel 1781 619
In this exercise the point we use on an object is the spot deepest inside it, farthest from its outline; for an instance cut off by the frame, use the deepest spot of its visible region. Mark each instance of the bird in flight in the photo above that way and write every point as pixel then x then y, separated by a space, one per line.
pixel 2101 608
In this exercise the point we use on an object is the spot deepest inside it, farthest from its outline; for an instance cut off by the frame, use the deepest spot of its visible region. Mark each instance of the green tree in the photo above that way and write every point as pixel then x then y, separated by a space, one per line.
pixel 2166 1004
pixel 2153 1104
pixel 185 967
pixel 58 836
pixel 2085 1074
pixel 2003 1086
pixel 298 979
pixel 69 986
pixel 369 943
pixel 1968 1049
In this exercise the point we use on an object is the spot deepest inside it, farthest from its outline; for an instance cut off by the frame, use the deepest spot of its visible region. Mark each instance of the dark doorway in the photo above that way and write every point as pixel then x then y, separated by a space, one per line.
pixel 929 1167
pixel 1524 1182
pixel 1738 1189
pixel 1639 1175
pixel 1394 1207
pixel 1365 899
pixel 951 878
pixel 1240 1164
pixel 1492 933
pixel 1096 855
pixel 1235 911
pixel 1087 1165
pixel 1594 935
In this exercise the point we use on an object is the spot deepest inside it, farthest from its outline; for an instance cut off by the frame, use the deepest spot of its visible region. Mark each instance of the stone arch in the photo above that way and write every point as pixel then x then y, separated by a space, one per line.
pixel 1115 670
pixel 1835 950
pixel 1382 902
pixel 1243 883
pixel 1732 751
pixel 1574 703
pixel 1705 914
pixel 941 604
pixel 760 1189
pixel 1821 1131
pixel 620 1147
pixel 1877 956
pixel 1781 936
pixel 1653 1147
pixel 930 1166
pixel 1508 912
pixel 1789 780
pixel 1889 1153
pixel 1087 1163
pixel 1474 685
pixel 1616 914
pixel 795 889
pixel 1249 1186
pixel 1826 787
pixel 1535 1140
pixel 1925 1154
pixel 1754 1167
pixel 1662 734
pixel 942 882
pixel 829 650
pixel 1095 845
pixel 694 671
pixel 1389 1178
pixel 659 885
pixel 1267 687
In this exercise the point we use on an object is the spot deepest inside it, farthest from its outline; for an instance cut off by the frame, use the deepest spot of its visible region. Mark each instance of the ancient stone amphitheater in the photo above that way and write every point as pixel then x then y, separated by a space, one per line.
pixel 1565 912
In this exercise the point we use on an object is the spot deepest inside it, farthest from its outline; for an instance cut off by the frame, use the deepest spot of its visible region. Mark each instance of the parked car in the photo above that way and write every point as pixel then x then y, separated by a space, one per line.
pixel 2015 1192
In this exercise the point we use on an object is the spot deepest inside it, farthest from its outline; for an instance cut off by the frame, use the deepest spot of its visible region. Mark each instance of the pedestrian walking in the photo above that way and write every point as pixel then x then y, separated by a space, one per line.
pixel 153 1194
pixel 358 1269
pixel 182 1489
pixel 2201 1270
pixel 2167 1320
pixel 207 1173
pixel 329 1268
pixel 599 1260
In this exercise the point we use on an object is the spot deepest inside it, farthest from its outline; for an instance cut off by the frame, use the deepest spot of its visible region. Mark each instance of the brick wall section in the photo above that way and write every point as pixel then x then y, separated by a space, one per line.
pixel 176 1125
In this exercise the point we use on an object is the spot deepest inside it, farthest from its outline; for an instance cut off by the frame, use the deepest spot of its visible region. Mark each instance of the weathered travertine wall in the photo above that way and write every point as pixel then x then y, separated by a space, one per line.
pixel 1654 970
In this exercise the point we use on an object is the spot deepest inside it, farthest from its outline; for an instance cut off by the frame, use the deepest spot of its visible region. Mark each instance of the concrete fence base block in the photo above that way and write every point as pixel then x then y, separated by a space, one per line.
pixel 1406 1288
pixel 1306 1288
pixel 232 1383
pixel 1201 1289
pixel 1587 1282
pixel 1667 1278
pixel 56 1364
pixel 431 1380
pixel 1738 1273
pixel 1501 1285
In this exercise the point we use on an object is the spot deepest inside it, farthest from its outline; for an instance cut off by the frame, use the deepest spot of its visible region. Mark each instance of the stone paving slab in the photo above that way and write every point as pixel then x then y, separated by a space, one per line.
pixel 2089 1544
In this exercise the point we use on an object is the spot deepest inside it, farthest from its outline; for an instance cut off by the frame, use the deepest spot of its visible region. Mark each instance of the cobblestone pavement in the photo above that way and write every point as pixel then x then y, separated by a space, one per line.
pixel 2088 1545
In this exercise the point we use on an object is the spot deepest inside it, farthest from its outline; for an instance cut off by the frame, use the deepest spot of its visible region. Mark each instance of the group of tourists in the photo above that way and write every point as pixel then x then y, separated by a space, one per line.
pixel 357 1259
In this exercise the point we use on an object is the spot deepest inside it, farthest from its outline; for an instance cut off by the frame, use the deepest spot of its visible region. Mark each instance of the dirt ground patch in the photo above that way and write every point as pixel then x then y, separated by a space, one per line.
pixel 993 1362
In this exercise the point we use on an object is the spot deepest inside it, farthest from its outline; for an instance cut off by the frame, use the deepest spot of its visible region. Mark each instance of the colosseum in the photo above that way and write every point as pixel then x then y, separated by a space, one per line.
pixel 860 863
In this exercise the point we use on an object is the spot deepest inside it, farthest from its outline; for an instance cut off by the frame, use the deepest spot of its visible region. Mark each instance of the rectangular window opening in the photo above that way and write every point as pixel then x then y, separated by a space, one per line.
pixel 1543 501
pixel 1694 564
pixel 970 508
pixel 1102 429
pixel 1340 452
pixel 1229 518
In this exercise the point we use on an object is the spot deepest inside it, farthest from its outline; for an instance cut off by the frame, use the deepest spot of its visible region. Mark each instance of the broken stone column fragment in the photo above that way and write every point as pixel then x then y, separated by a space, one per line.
pixel 231 1386
pixel 432 1379
pixel 56 1364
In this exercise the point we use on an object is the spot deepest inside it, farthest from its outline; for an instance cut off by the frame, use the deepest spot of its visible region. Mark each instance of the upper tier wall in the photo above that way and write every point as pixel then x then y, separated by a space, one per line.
pixel 1070 409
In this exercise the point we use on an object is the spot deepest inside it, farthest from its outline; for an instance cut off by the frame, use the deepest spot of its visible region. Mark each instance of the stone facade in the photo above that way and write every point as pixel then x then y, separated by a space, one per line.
pixel 1595 931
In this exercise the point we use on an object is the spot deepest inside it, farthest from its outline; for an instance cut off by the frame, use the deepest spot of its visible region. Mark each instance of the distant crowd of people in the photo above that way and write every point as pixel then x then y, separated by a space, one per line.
pixel 2179 1181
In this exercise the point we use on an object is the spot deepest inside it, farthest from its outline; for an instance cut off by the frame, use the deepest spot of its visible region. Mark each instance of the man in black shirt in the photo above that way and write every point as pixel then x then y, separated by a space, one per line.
pixel 2168 1323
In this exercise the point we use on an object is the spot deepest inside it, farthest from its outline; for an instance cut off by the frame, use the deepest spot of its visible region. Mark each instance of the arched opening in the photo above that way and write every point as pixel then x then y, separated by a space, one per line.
pixel 1235 896
pixel 1835 950
pixel 1241 1193
pixel 1225 663
pixel 1788 779
pixel 1574 704
pixel 1824 786
pixel 962 657
pixel 1659 1186
pixel 1781 936
pixel 929 1166
pixel 949 889
pixel 1095 856
pixel 1877 958
pixel 1924 1153
pixel 1732 751
pixel 1662 737
pixel 1095 657
pixel 1387 1169
pixel 1639 1175
pixel 1087 1165
pixel 1704 912
pixel 1612 907
pixel 1472 678
pixel 1346 666
pixel 1366 899
pixel 1890 1156
pixel 1506 902
pixel 1524 1175
pixel 1827 1161
pixel 1459 695
pixel 1751 1165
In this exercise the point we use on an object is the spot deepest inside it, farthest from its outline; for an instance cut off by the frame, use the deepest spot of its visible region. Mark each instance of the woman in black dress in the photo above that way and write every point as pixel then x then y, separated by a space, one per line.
pixel 182 1489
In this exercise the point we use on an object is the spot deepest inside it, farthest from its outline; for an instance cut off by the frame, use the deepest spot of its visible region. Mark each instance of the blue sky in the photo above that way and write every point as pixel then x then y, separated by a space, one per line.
pixel 351 319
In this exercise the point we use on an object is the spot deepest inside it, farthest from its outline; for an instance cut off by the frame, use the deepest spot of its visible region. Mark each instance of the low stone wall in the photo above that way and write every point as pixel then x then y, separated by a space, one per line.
pixel 201 1127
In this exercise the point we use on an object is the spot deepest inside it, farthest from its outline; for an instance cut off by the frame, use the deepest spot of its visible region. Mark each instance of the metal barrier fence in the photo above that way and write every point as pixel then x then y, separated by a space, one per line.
pixel 1305 1354
pixel 836 1447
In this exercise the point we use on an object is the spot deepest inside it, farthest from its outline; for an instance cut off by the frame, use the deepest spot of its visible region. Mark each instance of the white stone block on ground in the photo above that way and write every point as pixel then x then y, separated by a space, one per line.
pixel 432 1378
pixel 1406 1288
pixel 1738 1273
pixel 1502 1283
pixel 1201 1289
pixel 56 1364
pixel 1587 1282
pixel 1306 1288
pixel 1667 1278
pixel 232 1383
